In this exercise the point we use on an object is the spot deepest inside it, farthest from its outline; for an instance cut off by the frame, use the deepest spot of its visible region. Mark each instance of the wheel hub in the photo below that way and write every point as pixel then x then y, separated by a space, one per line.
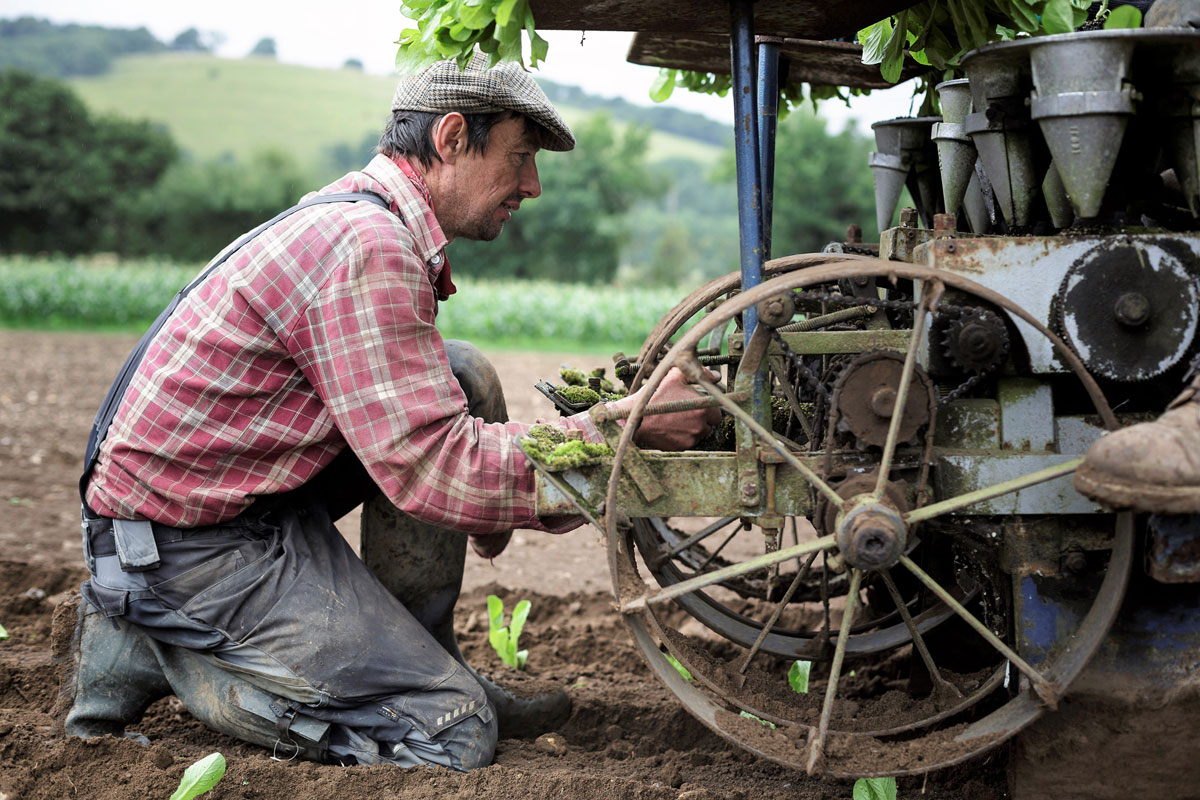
pixel 871 535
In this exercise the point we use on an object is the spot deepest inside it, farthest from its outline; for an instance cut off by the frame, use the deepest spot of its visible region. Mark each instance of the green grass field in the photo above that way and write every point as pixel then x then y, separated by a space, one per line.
pixel 97 294
pixel 213 106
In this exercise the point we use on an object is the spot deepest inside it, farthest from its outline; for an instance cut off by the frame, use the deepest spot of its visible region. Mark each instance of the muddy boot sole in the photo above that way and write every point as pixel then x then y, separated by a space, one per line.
pixel 1123 495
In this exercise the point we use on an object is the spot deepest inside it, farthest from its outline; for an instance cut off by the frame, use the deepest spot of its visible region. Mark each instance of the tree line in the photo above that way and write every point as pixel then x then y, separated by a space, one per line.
pixel 77 182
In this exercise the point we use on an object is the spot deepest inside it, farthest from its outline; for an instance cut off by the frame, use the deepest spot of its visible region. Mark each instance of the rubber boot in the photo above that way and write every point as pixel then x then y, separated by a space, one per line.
pixel 1154 466
pixel 422 565
pixel 110 674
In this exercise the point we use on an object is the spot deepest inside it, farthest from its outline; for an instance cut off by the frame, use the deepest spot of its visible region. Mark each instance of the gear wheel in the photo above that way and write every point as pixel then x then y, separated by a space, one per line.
pixel 865 397
pixel 976 341
pixel 1129 310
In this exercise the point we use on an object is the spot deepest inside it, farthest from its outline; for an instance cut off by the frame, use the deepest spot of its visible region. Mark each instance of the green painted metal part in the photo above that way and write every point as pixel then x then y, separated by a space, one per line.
pixel 818 343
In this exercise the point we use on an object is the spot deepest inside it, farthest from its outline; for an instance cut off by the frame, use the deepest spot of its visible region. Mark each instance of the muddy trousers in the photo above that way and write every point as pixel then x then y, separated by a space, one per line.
pixel 269 628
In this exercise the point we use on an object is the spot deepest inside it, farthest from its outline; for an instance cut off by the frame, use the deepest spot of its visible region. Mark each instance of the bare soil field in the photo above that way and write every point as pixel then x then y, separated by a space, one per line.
pixel 627 736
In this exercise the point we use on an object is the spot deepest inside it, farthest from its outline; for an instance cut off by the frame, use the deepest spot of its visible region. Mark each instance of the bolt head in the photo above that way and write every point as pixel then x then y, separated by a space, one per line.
pixel 883 401
pixel 1132 309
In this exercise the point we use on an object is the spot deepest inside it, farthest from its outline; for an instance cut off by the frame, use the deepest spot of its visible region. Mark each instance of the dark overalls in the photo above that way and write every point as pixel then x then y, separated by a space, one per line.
pixel 269 628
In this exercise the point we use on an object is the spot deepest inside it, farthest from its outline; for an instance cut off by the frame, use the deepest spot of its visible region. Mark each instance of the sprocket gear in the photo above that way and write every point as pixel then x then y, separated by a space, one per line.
pixel 1129 311
pixel 976 341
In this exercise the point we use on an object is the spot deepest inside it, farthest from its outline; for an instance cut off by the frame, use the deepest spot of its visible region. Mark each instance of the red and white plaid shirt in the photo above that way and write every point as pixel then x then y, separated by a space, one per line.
pixel 318 334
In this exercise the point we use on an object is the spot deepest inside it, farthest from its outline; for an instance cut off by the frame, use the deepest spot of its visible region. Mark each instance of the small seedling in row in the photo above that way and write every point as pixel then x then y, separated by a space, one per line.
pixel 200 777
pixel 682 670
pixel 504 638
pixel 798 676
pixel 875 789
pixel 760 721
pixel 3 633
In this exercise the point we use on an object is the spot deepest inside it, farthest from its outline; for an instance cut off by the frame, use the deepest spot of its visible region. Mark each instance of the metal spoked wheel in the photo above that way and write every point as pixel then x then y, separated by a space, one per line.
pixel 869 533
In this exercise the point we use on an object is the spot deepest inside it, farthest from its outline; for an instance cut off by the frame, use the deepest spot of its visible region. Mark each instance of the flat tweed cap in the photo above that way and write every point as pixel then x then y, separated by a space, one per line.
pixel 442 88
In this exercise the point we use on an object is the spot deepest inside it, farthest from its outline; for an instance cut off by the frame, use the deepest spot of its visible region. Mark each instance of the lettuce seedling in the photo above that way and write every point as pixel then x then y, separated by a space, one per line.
pixel 760 721
pixel 3 633
pixel 200 777
pixel 504 638
pixel 875 789
pixel 798 676
pixel 680 668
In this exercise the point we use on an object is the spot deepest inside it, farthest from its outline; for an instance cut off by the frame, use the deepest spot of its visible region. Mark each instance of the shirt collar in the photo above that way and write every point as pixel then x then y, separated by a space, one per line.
pixel 409 196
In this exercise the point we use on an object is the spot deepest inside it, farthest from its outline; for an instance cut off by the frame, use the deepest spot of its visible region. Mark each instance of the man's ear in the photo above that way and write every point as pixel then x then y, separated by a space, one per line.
pixel 450 137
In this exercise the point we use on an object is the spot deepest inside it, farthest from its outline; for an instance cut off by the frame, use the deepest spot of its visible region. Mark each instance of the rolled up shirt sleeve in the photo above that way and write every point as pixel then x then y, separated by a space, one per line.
pixel 368 344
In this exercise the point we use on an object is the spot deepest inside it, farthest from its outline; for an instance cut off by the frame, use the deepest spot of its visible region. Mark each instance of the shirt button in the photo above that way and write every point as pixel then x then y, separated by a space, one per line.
pixel 437 259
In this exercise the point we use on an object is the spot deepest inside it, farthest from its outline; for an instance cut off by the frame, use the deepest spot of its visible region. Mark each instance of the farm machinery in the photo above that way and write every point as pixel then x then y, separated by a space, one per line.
pixel 894 501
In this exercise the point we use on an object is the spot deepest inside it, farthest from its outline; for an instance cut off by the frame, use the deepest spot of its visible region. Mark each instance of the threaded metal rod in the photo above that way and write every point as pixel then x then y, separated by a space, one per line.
pixel 669 407
pixel 824 320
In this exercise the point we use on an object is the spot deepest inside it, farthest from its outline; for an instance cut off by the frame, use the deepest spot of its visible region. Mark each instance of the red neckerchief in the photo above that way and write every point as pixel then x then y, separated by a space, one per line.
pixel 443 285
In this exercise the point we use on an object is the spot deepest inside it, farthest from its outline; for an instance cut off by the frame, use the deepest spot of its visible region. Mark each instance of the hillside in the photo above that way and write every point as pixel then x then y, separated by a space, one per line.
pixel 213 106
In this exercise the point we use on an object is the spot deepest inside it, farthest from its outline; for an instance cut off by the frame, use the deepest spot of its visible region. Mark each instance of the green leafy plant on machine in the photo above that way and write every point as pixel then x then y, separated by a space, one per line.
pixel 200 777
pixel 875 789
pixel 454 28
pixel 503 638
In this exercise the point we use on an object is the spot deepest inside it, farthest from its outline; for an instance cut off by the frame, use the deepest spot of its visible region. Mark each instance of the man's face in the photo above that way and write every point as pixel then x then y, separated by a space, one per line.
pixel 488 186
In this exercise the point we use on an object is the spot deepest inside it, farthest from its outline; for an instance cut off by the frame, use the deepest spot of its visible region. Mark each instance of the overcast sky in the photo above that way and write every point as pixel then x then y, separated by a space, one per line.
pixel 325 34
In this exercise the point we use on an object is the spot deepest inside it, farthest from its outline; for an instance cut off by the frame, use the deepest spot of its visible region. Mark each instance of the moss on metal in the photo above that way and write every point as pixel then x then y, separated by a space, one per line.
pixel 557 453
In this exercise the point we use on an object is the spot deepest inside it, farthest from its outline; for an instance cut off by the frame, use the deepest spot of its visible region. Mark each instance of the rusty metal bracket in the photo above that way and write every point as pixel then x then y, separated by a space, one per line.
pixel 647 483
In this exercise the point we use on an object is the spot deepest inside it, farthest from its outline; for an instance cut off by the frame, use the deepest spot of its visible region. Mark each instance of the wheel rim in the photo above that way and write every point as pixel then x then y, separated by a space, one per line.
pixel 1041 687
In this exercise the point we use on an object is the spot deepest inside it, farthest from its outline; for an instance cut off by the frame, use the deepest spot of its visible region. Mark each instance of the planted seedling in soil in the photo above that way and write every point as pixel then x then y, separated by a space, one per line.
pixel 200 777
pixel 503 638
pixel 761 721
pixel 798 676
pixel 680 668
pixel 875 789
pixel 3 633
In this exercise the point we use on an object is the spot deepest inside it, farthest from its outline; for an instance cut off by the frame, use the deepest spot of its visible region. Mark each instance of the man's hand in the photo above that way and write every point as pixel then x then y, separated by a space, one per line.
pixel 677 431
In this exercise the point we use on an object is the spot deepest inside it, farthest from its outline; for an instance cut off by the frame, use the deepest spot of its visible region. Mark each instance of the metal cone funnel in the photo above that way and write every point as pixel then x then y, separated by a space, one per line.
pixel 999 126
pixel 956 163
pixel 975 206
pixel 890 172
pixel 925 186
pixel 1085 151
pixel 1007 158
pixel 955 97
pixel 1059 205
pixel 1082 103
pixel 902 145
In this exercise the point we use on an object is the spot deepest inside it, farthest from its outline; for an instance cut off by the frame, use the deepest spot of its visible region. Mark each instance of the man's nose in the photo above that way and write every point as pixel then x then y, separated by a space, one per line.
pixel 529 185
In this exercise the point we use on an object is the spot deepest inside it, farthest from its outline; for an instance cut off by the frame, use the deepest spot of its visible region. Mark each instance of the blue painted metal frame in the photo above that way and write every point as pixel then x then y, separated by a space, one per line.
pixel 768 116
pixel 746 150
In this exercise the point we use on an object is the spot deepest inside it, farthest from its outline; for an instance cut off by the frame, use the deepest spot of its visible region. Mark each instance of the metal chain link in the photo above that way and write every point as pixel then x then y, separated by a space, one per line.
pixel 896 305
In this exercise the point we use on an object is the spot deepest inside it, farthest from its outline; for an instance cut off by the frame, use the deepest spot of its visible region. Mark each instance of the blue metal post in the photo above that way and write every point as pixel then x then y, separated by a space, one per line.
pixel 768 116
pixel 745 146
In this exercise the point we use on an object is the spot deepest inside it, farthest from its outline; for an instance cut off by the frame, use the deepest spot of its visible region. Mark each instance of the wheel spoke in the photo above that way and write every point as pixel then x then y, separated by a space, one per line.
pixel 930 294
pixel 696 538
pixel 995 490
pixel 1045 690
pixel 943 685
pixel 713 555
pixel 766 436
pixel 725 573
pixel 816 747
pixel 777 613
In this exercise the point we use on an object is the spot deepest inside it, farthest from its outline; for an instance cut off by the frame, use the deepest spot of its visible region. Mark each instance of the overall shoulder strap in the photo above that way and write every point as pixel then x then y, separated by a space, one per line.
pixel 112 399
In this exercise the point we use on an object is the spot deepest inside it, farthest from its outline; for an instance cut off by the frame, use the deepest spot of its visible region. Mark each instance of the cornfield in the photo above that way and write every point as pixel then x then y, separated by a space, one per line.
pixel 80 293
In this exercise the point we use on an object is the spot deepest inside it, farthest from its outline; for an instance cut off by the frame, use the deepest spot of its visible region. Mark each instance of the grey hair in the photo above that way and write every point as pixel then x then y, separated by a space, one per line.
pixel 410 133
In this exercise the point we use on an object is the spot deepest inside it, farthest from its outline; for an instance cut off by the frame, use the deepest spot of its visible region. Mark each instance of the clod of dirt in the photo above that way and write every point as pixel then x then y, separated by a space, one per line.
pixel 552 743
pixel 160 758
